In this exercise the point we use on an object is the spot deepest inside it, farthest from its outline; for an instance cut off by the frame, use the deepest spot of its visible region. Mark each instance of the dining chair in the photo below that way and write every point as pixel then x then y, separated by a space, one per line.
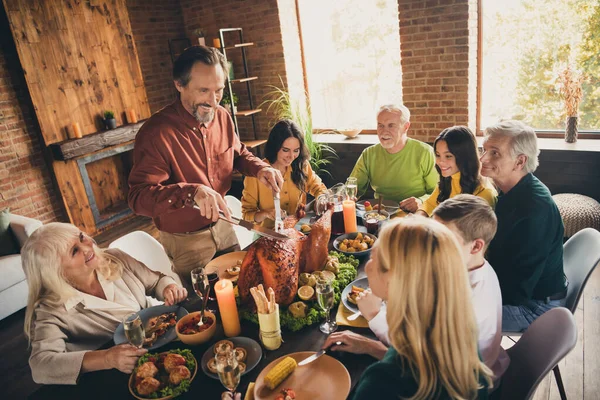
pixel 543 345
pixel 144 248
pixel 244 236
pixel 581 255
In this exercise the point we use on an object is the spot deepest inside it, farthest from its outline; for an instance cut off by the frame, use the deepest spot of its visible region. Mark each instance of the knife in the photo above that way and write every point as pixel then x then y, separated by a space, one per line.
pixel 261 230
pixel 318 354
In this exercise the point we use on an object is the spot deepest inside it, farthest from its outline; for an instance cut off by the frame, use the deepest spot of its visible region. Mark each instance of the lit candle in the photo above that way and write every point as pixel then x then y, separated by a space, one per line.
pixel 76 130
pixel 131 117
pixel 227 307
pixel 217 43
pixel 350 216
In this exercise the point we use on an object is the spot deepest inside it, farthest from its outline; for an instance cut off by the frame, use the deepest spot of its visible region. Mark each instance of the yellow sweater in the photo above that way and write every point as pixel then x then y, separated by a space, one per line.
pixel 257 197
pixel 485 191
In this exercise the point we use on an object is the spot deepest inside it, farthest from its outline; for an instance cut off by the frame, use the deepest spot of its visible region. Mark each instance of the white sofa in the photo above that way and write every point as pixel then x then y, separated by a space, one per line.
pixel 13 285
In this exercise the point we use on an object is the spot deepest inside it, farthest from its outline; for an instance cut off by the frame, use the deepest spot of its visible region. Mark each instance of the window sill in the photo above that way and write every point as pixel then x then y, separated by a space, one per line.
pixel 590 145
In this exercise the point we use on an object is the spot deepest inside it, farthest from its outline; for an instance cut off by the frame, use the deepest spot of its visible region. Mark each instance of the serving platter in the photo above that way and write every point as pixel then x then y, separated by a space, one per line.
pixel 131 382
pixel 147 313
pixel 324 378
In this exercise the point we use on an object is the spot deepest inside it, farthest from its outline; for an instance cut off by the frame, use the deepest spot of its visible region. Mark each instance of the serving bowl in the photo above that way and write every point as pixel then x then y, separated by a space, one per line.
pixel 350 133
pixel 352 236
pixel 200 337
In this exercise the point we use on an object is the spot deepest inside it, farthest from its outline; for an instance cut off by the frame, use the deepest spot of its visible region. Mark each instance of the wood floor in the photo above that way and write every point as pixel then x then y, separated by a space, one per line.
pixel 580 369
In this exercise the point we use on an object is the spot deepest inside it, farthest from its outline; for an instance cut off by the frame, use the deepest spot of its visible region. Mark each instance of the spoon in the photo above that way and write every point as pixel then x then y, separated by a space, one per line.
pixel 379 206
pixel 204 301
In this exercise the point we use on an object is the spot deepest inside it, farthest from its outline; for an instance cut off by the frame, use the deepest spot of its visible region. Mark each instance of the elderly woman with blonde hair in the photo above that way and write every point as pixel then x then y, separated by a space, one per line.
pixel 416 265
pixel 78 295
pixel 527 250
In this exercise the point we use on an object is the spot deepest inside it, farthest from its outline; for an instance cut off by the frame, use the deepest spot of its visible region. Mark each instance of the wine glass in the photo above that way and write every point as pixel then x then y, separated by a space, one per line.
pixel 228 370
pixel 201 285
pixel 352 188
pixel 325 299
pixel 134 330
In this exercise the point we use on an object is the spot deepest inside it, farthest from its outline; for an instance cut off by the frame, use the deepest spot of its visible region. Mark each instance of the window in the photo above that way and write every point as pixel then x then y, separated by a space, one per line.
pixel 526 43
pixel 352 60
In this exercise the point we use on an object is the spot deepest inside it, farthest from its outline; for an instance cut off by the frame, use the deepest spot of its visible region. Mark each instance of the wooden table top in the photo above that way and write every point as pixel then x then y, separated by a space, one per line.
pixel 113 384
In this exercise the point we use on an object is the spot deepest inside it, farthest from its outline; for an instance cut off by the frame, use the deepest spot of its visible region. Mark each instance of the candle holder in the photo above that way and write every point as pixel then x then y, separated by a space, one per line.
pixel 270 329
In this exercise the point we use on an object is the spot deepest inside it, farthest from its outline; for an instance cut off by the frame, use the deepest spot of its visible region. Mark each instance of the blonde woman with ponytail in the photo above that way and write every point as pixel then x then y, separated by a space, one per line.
pixel 416 265
pixel 78 295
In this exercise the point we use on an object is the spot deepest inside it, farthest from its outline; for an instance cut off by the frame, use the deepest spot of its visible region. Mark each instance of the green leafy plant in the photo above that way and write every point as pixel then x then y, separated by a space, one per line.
pixel 282 106
pixel 109 114
pixel 227 99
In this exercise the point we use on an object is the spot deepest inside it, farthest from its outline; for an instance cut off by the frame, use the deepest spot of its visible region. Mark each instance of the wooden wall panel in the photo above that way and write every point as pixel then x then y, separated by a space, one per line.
pixel 79 59
pixel 73 194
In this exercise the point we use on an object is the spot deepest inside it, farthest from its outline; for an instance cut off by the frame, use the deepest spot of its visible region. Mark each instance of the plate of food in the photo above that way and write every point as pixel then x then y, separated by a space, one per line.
pixel 247 351
pixel 324 378
pixel 357 244
pixel 351 291
pixel 159 325
pixel 164 375
pixel 372 204
pixel 228 265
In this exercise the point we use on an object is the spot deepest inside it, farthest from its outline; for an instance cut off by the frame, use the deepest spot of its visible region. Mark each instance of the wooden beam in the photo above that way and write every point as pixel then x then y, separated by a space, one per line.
pixel 96 141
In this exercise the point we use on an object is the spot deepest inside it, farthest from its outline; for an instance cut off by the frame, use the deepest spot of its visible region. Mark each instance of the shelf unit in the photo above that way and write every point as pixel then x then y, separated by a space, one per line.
pixel 247 79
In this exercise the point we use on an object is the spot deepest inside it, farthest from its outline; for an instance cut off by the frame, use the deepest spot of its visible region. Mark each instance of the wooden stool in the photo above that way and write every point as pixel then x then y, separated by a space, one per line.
pixel 577 212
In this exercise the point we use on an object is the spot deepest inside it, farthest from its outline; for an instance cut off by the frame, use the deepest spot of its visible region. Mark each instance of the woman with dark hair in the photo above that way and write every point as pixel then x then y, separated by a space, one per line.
pixel 457 163
pixel 286 151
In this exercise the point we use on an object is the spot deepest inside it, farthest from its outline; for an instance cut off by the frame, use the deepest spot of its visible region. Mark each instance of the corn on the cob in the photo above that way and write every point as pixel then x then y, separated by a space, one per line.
pixel 279 372
pixel 250 392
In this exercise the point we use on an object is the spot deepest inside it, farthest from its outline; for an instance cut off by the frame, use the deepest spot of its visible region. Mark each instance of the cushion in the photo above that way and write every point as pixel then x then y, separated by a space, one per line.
pixel 577 212
pixel 8 242
pixel 11 271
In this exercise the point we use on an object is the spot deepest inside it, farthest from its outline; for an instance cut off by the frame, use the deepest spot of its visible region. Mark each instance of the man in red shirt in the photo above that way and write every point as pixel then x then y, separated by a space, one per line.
pixel 184 156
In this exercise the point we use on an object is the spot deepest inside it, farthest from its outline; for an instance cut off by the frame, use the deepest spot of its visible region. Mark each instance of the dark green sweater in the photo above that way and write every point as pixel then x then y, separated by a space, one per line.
pixel 527 251
pixel 387 379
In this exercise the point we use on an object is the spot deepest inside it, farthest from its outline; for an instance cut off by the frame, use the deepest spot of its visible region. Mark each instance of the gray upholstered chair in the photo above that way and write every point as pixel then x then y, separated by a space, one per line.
pixel 543 345
pixel 580 257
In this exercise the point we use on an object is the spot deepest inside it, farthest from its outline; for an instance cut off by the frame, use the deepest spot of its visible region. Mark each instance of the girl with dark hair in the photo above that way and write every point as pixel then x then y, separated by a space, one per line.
pixel 457 163
pixel 286 151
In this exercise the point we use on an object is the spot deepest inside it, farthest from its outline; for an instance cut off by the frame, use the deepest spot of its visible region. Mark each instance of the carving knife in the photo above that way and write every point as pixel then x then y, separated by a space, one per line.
pixel 261 230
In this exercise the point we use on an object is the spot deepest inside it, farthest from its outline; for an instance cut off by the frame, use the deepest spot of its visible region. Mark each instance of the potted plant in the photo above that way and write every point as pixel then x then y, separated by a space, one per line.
pixel 284 107
pixel 226 101
pixel 570 89
pixel 109 119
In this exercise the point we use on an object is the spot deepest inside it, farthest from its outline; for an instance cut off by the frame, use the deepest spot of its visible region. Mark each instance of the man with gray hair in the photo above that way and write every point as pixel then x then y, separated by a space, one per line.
pixel 527 251
pixel 398 168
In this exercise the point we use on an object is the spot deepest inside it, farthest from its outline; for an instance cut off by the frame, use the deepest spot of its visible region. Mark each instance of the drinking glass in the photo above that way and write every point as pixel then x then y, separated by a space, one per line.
pixel 352 188
pixel 228 370
pixel 134 330
pixel 201 284
pixel 325 299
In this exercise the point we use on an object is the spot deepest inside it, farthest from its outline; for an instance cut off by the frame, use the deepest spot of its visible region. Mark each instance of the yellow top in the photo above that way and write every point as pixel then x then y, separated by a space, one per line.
pixel 258 197
pixel 486 191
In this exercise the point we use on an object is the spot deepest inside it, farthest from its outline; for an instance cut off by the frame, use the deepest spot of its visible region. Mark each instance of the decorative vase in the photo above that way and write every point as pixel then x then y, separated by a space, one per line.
pixel 571 130
pixel 110 123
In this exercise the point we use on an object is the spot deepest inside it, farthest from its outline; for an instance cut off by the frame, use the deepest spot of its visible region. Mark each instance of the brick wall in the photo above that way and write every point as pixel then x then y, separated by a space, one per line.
pixel 436 46
pixel 153 24
pixel 26 185
pixel 260 21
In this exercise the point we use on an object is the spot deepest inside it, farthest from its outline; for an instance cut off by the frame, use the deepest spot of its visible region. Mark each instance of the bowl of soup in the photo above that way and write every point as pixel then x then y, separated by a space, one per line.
pixel 373 220
pixel 190 333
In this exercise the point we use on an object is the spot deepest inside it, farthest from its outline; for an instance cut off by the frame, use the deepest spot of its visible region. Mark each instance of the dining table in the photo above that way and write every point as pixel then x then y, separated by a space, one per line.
pixel 113 384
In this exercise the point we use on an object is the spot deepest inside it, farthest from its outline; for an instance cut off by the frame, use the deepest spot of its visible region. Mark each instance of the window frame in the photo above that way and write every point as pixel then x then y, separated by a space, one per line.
pixel 541 133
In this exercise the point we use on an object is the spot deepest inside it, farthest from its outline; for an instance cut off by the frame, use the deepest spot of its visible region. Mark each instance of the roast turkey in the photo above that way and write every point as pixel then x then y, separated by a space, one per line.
pixel 277 263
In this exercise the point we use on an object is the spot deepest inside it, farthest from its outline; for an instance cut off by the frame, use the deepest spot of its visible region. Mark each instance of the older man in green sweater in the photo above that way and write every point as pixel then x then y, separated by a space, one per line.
pixel 398 168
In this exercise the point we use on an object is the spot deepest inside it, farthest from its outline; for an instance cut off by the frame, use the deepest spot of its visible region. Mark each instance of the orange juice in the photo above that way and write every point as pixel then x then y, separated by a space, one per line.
pixel 350 216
